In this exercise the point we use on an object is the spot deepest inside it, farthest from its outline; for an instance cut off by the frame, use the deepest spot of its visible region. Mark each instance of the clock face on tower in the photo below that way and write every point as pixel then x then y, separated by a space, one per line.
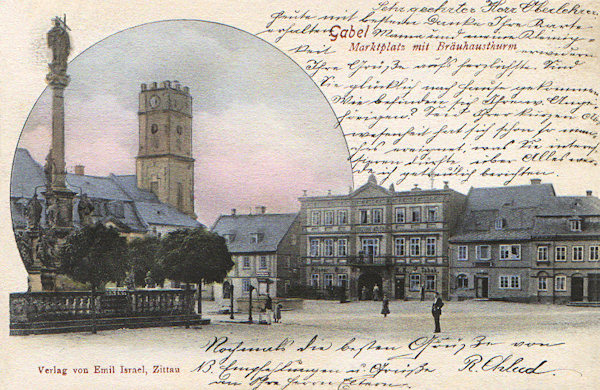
pixel 154 101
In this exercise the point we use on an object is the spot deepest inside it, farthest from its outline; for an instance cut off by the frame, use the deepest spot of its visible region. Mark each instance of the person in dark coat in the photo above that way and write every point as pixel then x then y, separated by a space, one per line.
pixel 277 315
pixel 269 309
pixel 436 311
pixel 385 306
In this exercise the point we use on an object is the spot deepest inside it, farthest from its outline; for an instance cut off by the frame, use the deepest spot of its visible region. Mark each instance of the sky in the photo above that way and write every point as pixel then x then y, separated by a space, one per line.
pixel 262 130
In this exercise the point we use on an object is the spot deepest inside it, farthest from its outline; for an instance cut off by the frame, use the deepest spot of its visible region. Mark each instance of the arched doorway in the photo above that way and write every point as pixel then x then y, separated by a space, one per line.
pixel 226 290
pixel 368 280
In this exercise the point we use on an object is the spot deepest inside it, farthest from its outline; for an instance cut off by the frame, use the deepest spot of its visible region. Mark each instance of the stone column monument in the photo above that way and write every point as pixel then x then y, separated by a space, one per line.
pixel 59 199
pixel 45 240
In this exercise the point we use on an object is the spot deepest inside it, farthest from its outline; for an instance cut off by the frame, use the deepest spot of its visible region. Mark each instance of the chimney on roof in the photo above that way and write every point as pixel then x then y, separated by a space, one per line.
pixel 304 192
pixel 535 182
pixel 588 192
pixel 415 188
pixel 329 192
pixel 446 186
pixel 233 212
pixel 260 209
pixel 80 170
pixel 372 179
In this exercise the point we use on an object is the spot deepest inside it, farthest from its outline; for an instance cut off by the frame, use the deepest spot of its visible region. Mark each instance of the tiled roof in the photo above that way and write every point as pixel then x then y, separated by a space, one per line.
pixel 128 183
pixel 271 228
pixel 140 208
pixel 558 226
pixel 97 187
pixel 494 198
pixel 164 214
pixel 27 174
pixel 572 206
pixel 532 211
pixel 516 206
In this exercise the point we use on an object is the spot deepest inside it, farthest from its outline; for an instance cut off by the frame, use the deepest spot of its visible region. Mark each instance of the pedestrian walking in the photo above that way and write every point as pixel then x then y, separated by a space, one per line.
pixel 436 311
pixel 277 314
pixel 376 293
pixel 385 306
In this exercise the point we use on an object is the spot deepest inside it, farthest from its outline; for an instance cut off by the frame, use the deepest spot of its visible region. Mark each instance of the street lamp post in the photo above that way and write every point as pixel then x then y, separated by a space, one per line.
pixel 231 303
pixel 250 304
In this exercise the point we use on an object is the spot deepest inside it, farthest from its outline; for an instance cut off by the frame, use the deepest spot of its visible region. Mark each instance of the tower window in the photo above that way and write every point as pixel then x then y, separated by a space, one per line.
pixel 154 128
pixel 179 196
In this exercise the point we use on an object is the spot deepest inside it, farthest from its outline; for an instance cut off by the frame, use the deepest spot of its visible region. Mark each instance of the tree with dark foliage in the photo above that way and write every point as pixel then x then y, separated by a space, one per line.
pixel 94 255
pixel 195 256
pixel 143 258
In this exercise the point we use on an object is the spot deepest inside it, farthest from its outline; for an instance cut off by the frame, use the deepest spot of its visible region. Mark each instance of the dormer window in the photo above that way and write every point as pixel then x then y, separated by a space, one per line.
pixel 255 238
pixel 575 225
pixel 499 224
pixel 229 237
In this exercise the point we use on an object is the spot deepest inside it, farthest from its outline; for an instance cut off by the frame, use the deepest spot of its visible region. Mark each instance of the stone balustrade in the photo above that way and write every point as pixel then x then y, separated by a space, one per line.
pixel 54 306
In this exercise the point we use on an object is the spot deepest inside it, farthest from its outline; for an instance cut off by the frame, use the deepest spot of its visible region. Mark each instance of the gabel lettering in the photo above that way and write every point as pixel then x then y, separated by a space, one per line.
pixel 337 31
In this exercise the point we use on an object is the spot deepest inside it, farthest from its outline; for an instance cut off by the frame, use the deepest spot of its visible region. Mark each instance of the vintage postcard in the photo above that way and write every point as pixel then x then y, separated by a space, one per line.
pixel 300 195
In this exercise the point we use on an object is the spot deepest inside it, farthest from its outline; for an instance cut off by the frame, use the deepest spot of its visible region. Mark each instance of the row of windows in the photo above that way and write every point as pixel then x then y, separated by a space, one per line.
pixel 375 216
pixel 514 282
pixel 263 262
pixel 484 252
pixel 342 280
pixel 370 247
pixel 561 253
pixel 504 281
pixel 414 282
pixel 328 248
pixel 513 252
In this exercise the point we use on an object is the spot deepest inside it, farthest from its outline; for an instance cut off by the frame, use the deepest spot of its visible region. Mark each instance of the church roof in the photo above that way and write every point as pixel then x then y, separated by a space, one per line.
pixel 158 213
pixel 128 184
pixel 27 174
pixel 98 187
pixel 268 228
pixel 115 198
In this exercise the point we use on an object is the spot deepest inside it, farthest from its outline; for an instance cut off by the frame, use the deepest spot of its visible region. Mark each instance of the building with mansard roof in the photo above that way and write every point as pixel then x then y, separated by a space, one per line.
pixel 264 250
pixel 525 243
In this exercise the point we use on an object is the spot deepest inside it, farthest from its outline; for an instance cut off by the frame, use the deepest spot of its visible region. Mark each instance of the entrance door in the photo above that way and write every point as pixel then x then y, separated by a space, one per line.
pixel 366 284
pixel 594 287
pixel 481 287
pixel 576 289
pixel 399 292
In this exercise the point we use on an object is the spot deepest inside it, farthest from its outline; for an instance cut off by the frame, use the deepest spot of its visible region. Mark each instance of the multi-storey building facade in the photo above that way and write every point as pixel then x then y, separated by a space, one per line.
pixel 376 236
pixel 566 251
pixel 263 249
pixel 524 243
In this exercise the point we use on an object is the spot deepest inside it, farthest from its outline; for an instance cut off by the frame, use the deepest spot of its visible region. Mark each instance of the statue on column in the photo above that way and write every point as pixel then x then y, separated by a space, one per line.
pixel 34 213
pixel 49 168
pixel 52 214
pixel 58 41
